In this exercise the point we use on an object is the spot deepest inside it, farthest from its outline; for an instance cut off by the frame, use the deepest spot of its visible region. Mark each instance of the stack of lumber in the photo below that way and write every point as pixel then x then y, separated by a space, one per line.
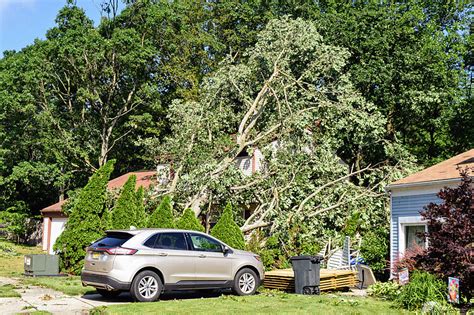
pixel 283 279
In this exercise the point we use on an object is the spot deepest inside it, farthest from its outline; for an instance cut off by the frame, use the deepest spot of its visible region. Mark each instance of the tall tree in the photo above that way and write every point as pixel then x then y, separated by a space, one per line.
pixel 162 217
pixel 85 223
pixel 125 211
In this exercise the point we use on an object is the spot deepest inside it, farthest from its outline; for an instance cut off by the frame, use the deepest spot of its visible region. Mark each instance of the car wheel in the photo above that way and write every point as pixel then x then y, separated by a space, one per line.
pixel 146 287
pixel 108 294
pixel 246 282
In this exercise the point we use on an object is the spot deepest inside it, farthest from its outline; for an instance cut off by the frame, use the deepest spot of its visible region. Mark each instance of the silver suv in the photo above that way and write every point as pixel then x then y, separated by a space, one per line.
pixel 147 262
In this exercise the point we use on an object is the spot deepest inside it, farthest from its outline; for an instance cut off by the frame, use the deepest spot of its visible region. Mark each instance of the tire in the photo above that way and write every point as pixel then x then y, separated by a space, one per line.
pixel 246 282
pixel 108 294
pixel 146 287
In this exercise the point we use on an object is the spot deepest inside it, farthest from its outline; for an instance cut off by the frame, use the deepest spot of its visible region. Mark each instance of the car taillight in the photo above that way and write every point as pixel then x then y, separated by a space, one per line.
pixel 120 251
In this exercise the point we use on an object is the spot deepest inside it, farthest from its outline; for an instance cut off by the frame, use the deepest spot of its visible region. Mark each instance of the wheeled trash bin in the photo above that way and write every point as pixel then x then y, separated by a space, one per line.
pixel 306 270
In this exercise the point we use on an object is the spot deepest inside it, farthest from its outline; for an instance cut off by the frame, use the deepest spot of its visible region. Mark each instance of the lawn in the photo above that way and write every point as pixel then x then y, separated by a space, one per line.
pixel 11 265
pixel 70 285
pixel 11 257
pixel 7 290
pixel 263 303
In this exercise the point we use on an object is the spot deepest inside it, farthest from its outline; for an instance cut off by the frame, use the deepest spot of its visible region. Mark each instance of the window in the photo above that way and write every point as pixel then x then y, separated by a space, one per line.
pixel 204 243
pixel 151 241
pixel 167 241
pixel 412 236
pixel 112 240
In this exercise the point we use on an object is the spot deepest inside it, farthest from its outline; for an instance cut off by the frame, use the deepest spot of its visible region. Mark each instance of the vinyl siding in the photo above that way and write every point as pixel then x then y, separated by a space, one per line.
pixel 406 206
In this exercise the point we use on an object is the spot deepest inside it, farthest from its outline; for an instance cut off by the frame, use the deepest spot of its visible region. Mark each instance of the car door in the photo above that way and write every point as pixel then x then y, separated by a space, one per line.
pixel 171 256
pixel 211 263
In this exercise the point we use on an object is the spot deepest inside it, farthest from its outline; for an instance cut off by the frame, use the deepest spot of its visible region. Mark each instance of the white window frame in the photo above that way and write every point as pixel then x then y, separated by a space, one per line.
pixel 404 222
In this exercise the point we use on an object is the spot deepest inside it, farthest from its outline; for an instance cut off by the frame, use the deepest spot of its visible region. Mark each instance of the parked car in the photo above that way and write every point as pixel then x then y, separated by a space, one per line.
pixel 147 262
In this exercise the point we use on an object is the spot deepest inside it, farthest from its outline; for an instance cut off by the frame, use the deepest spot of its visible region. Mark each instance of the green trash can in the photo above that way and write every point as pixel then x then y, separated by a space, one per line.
pixel 307 277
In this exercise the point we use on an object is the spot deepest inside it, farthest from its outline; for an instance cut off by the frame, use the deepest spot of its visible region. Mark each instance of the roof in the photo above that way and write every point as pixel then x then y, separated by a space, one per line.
pixel 144 179
pixel 446 170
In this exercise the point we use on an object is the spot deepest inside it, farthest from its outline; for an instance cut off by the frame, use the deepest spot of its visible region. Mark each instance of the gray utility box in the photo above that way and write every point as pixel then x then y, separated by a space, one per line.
pixel 41 265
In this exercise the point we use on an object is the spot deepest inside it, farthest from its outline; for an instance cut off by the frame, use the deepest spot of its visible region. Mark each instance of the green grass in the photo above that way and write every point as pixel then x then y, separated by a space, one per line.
pixel 264 303
pixel 68 285
pixel 7 290
pixel 12 265
pixel 11 257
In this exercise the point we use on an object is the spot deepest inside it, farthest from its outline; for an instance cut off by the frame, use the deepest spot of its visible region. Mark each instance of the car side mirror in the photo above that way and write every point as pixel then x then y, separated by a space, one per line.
pixel 226 249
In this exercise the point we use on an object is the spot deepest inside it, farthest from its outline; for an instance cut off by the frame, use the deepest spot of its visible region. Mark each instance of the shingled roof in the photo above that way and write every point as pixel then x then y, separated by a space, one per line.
pixel 445 170
pixel 144 179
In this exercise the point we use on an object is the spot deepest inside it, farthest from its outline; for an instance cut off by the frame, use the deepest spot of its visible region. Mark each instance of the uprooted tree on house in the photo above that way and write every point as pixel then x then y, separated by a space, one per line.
pixel 323 147
pixel 85 223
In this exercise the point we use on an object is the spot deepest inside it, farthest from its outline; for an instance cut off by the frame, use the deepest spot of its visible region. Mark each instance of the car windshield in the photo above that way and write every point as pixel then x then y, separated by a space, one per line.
pixel 112 240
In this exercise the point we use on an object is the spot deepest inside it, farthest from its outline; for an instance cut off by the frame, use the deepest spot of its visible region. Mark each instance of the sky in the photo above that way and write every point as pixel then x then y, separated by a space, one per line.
pixel 21 21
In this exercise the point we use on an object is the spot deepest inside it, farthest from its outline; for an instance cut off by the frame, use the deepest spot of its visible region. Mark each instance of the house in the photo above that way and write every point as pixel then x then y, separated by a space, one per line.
pixel 54 219
pixel 409 195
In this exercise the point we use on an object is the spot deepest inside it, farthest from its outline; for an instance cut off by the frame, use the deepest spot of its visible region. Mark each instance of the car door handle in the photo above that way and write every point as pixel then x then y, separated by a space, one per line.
pixel 202 256
pixel 162 254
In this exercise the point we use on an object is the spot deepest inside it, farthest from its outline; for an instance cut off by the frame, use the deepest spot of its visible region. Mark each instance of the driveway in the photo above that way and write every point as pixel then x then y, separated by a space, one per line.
pixel 35 298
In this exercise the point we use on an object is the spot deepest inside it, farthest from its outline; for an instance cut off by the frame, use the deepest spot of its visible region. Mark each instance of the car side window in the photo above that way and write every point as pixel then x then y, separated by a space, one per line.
pixel 151 241
pixel 175 241
pixel 204 243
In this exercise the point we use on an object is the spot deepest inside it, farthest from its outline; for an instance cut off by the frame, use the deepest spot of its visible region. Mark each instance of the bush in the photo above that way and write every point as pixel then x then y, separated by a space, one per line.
pixel 374 249
pixel 450 234
pixel 140 214
pixel 124 213
pixel 388 290
pixel 227 230
pixel 162 217
pixel 423 287
pixel 188 221
pixel 85 223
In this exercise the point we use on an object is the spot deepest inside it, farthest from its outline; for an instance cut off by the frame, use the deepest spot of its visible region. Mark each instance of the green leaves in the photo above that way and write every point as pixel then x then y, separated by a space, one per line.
pixel 188 221
pixel 227 230
pixel 85 223
pixel 129 208
pixel 162 217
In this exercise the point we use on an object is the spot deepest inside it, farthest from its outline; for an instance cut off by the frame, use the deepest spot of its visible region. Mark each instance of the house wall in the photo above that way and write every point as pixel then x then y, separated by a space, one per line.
pixel 406 202
pixel 57 227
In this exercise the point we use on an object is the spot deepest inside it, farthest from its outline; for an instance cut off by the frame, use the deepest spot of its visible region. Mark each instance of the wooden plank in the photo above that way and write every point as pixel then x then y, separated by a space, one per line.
pixel 283 279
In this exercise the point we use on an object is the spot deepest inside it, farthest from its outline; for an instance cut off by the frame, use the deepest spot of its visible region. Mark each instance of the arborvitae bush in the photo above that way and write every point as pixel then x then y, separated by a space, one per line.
pixel 140 214
pixel 162 217
pixel 227 230
pixel 188 221
pixel 124 213
pixel 85 223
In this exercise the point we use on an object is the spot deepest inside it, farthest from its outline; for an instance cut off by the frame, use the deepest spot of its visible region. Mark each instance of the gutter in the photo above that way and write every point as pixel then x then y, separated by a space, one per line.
pixel 417 184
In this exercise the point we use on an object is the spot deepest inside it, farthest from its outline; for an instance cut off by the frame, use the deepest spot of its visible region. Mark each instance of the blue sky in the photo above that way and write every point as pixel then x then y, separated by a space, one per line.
pixel 21 21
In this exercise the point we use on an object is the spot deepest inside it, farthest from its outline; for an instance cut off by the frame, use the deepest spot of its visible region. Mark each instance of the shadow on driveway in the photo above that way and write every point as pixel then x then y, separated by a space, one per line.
pixel 125 297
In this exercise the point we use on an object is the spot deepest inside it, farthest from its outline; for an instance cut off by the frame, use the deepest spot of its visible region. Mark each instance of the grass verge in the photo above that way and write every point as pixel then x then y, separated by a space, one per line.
pixel 264 303
pixel 7 290
pixel 68 285
pixel 11 257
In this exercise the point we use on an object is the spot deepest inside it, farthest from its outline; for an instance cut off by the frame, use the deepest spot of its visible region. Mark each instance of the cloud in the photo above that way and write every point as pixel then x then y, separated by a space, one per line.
pixel 5 5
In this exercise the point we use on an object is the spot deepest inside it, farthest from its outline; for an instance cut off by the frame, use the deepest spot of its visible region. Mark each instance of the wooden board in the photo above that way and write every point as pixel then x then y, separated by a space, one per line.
pixel 283 279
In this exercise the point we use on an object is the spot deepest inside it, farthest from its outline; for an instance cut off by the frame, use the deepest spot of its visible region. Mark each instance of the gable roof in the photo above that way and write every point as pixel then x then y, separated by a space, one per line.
pixel 446 170
pixel 144 179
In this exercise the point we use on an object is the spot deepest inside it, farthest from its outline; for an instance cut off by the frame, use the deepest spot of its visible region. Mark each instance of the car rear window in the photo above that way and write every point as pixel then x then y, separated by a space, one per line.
pixel 112 240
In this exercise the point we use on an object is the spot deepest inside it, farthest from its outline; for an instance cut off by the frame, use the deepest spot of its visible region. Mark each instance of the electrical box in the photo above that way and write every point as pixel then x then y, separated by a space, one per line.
pixel 41 265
